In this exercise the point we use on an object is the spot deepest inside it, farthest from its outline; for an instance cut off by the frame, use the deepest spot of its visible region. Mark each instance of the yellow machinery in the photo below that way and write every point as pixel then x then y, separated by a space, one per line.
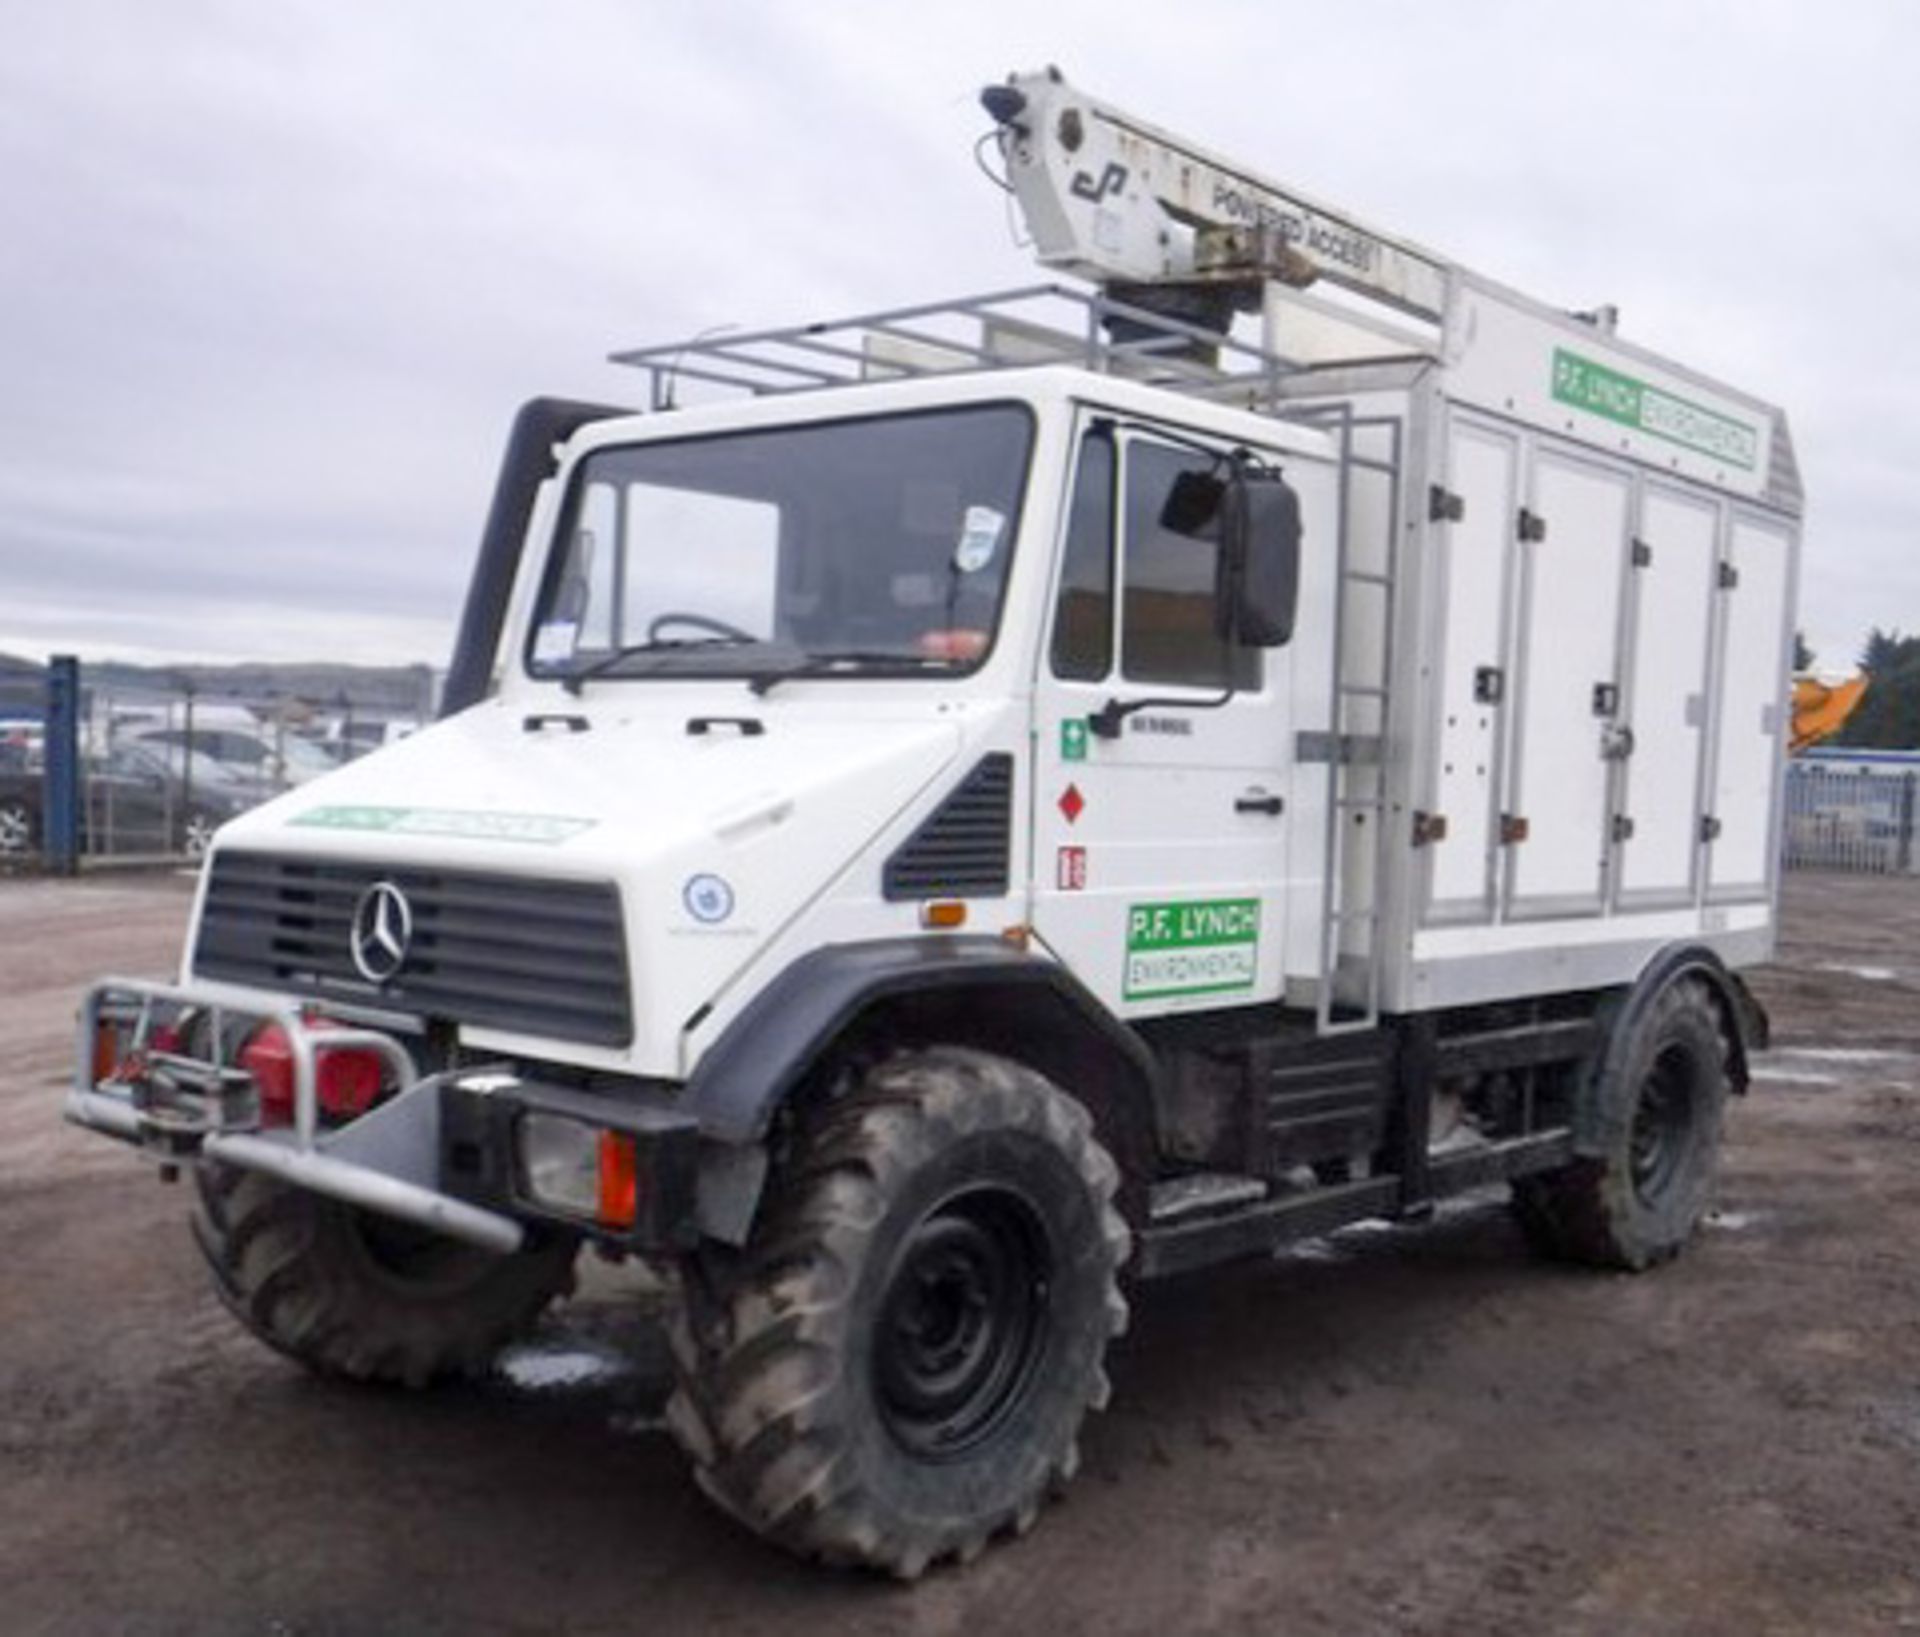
pixel 1820 709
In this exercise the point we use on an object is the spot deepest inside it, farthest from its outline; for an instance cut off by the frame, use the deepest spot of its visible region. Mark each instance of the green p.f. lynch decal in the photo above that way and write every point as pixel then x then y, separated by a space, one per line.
pixel 1192 948
pixel 1602 391
pixel 542 829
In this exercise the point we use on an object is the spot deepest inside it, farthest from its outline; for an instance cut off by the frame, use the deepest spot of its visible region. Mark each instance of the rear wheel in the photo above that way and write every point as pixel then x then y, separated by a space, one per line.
pixel 352 1293
pixel 1638 1203
pixel 897 1367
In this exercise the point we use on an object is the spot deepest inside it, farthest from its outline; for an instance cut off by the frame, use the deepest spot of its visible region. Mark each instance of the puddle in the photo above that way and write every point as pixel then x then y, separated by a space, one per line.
pixel 1734 1221
pixel 1828 1065
pixel 1902 1420
pixel 563 1368
pixel 1844 1054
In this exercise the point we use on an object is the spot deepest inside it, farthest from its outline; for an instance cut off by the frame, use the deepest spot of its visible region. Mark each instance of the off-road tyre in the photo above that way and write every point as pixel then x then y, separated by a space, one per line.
pixel 352 1294
pixel 1636 1205
pixel 896 1368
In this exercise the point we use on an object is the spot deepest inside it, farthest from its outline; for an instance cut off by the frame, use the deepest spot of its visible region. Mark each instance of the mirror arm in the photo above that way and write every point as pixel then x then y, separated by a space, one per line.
pixel 1106 722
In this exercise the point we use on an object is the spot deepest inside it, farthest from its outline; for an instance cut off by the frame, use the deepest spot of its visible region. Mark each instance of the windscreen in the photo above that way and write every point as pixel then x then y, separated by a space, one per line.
pixel 878 545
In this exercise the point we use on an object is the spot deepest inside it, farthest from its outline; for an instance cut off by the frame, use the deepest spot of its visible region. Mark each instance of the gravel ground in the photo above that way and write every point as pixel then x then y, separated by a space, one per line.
pixel 1388 1431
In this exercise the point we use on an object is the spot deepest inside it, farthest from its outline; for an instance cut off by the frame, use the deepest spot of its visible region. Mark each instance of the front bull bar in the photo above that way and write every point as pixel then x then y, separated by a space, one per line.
pixel 186 1107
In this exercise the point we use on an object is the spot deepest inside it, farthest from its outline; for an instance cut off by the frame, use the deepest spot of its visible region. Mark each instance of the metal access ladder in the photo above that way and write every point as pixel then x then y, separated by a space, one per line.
pixel 1348 994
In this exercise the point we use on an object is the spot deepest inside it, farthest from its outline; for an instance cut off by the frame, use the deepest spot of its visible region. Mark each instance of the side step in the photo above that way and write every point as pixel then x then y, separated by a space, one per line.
pixel 1204 1194
pixel 1200 1237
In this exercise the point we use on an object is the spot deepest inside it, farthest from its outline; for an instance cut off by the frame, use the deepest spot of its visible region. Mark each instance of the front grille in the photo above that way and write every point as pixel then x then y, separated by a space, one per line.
pixel 527 954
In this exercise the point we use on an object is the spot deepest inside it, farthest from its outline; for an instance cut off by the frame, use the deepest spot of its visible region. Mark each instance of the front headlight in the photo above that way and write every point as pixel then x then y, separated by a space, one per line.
pixel 579 1169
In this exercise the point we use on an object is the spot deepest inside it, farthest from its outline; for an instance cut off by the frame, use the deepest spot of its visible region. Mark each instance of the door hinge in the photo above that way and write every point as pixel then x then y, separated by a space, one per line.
pixel 1533 526
pixel 1513 829
pixel 1606 698
pixel 1429 828
pixel 1709 828
pixel 1622 827
pixel 1489 685
pixel 1444 506
pixel 1729 576
pixel 1642 554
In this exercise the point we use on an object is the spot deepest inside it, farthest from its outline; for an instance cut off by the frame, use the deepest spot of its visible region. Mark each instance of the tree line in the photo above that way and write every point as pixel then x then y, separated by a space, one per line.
pixel 1889 717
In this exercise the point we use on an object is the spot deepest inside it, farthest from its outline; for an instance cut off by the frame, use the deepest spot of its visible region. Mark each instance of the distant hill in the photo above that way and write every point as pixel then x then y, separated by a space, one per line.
pixel 384 690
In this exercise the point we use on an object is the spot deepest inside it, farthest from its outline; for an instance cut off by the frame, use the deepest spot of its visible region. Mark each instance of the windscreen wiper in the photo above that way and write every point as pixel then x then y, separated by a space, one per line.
pixel 651 646
pixel 848 660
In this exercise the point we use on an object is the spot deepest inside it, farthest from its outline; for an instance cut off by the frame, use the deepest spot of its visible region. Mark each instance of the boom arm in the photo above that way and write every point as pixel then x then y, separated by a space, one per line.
pixel 1113 199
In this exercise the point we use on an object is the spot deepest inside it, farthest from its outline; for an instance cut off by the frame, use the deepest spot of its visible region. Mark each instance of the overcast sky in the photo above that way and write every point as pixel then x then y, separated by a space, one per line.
pixel 273 277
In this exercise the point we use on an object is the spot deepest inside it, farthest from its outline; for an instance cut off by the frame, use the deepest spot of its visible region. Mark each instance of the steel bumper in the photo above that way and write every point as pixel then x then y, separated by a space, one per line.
pixel 437 1152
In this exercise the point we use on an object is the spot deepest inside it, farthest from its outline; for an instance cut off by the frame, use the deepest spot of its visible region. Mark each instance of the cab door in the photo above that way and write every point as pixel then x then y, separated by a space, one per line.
pixel 1162 790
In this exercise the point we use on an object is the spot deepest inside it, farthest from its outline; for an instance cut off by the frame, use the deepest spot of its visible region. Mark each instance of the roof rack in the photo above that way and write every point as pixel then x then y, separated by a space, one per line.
pixel 1005 329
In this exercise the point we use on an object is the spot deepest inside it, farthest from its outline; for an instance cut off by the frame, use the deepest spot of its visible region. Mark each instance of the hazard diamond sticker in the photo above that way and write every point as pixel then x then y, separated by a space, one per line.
pixel 1072 803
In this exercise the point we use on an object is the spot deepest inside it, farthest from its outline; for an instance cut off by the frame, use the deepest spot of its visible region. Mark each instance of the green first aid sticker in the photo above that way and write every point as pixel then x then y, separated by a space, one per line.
pixel 1073 739
pixel 1602 391
pixel 542 829
pixel 1206 947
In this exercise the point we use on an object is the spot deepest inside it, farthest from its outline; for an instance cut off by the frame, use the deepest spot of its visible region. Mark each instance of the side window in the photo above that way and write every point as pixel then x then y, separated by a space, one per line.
pixel 1167 610
pixel 1083 614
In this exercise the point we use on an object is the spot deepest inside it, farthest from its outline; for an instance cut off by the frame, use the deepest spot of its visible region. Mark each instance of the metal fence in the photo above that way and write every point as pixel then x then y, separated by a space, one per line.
pixel 1850 816
pixel 159 770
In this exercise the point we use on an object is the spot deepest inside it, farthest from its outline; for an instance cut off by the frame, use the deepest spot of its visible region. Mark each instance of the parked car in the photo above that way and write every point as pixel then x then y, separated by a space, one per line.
pixel 254 756
pixel 20 743
pixel 354 739
pixel 134 800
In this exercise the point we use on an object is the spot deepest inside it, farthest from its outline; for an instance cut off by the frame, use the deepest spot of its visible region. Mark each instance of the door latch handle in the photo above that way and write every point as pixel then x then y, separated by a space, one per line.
pixel 1257 802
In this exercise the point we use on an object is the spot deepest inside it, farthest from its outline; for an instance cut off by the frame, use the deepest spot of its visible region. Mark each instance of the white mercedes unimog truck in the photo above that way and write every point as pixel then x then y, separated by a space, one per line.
pixel 1025 794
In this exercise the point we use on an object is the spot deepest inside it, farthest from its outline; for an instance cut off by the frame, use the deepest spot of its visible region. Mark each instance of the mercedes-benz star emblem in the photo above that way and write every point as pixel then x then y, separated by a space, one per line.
pixel 382 930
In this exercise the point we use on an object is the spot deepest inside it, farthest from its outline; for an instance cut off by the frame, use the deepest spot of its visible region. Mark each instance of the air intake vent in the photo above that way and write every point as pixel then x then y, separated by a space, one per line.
pixel 961 850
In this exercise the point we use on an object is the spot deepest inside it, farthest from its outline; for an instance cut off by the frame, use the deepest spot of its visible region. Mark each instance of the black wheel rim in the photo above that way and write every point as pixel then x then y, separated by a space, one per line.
pixel 963 1323
pixel 1663 1123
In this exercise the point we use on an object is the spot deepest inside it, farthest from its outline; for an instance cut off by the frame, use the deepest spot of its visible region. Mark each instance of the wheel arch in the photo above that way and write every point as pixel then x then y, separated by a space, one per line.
pixel 846 999
pixel 1607 1097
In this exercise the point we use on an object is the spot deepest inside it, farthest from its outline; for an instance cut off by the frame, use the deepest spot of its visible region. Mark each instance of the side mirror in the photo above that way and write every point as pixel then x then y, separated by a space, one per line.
pixel 1259 584
pixel 1193 503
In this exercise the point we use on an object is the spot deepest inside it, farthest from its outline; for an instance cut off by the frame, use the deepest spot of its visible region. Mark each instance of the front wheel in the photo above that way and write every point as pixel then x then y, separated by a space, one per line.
pixel 898 1366
pixel 348 1292
pixel 1640 1201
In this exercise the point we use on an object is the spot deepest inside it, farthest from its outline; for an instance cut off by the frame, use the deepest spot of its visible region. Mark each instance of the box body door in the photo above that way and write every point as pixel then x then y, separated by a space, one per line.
pixel 1471 668
pixel 1565 717
pixel 1755 591
pixel 1668 687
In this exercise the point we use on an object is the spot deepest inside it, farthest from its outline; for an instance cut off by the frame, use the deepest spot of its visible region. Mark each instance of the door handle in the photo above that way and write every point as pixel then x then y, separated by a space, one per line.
pixel 1258 801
